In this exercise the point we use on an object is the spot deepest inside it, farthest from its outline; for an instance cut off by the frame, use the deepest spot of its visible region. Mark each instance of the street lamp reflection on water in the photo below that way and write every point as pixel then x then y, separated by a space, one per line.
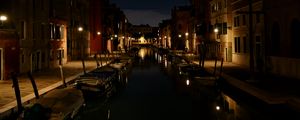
pixel 187 82
pixel 217 108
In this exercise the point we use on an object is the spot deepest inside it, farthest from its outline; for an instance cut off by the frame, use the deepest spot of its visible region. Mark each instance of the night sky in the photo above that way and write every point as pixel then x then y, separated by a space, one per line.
pixel 149 12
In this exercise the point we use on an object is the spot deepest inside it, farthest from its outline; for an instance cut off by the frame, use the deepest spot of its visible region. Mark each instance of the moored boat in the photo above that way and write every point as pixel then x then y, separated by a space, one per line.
pixel 98 82
pixel 58 104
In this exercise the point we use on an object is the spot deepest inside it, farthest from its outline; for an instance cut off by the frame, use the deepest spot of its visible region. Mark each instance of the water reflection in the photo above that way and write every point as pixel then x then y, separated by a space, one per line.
pixel 225 104
pixel 155 90
pixel 142 53
pixel 187 82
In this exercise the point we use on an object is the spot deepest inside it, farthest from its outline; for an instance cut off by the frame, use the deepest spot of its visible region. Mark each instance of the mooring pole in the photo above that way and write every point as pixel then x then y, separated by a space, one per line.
pixel 62 76
pixel 97 62
pixel 83 66
pixel 215 67
pixel 35 90
pixel 221 68
pixel 17 91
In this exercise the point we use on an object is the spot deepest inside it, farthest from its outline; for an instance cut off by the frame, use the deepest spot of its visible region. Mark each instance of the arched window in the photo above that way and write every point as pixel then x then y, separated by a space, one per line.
pixel 275 39
pixel 295 38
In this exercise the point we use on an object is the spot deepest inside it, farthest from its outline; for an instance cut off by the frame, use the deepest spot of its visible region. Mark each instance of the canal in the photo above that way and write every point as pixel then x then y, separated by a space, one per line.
pixel 152 90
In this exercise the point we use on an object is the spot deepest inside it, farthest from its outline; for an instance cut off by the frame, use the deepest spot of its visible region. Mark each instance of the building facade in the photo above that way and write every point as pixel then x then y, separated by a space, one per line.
pixel 181 28
pixel 221 34
pixel 248 33
pixel 282 39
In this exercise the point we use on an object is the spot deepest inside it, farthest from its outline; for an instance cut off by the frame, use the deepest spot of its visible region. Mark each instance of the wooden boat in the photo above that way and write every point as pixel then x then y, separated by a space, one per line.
pixel 97 82
pixel 122 63
pixel 58 104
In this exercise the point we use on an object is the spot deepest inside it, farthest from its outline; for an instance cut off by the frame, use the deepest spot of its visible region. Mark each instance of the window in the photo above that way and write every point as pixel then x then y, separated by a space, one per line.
pixel 224 28
pixel 258 18
pixel 244 19
pixel 258 45
pixel 237 47
pixel 219 6
pixel 33 31
pixel 59 54
pixel 51 55
pixel 42 5
pixel 56 31
pixel 23 59
pixel 179 27
pixel 62 31
pixel 245 44
pixel 275 37
pixel 236 21
pixel 42 32
pixel 257 39
pixel 23 30
pixel 51 27
pixel 238 44
pixel 43 57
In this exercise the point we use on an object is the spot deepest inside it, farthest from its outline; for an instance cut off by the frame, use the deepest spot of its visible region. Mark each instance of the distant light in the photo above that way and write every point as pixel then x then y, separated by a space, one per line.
pixel 179 35
pixel 3 18
pixel 116 35
pixel 186 34
pixel 98 33
pixel 80 28
pixel 217 107
pixel 165 36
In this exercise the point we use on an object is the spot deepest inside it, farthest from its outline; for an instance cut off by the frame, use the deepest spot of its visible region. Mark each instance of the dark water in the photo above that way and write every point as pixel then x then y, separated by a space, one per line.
pixel 152 90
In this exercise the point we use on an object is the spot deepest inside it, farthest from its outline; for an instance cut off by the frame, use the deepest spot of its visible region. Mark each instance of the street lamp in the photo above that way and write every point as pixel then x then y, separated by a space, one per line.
pixel 2 19
pixel 216 30
pixel 80 29
pixel 186 34
pixel 187 47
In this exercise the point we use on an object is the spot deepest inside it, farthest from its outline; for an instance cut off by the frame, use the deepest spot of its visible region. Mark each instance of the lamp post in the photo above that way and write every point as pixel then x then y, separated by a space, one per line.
pixel 80 29
pixel 187 41
pixel 216 30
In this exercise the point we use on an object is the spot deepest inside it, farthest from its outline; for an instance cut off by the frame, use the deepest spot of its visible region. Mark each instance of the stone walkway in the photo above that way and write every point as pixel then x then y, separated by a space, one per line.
pixel 45 81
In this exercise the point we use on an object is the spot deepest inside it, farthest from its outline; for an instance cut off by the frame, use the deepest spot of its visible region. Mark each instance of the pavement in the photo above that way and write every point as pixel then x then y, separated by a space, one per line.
pixel 46 80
